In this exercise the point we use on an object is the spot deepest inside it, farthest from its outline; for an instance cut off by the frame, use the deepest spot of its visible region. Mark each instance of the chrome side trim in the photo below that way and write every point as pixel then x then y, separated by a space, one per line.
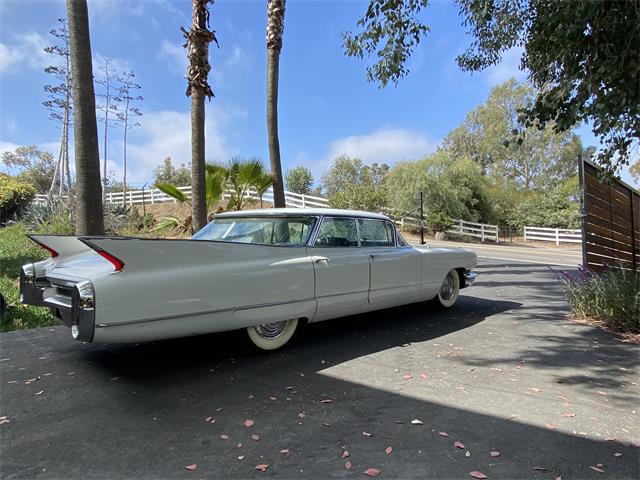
pixel 206 312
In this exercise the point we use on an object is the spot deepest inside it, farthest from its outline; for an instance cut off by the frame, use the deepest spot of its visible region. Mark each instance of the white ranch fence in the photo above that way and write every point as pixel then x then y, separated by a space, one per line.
pixel 153 195
pixel 557 235
pixel 483 231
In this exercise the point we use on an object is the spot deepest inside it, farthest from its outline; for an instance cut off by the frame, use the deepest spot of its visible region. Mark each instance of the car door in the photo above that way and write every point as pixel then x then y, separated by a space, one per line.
pixel 341 269
pixel 395 270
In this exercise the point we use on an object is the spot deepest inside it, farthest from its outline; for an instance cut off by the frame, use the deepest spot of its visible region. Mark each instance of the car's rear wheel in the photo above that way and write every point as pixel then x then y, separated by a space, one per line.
pixel 271 336
pixel 450 289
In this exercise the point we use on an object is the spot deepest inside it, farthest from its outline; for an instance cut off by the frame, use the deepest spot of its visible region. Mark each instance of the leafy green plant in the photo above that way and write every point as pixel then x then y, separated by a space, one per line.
pixel 16 250
pixel 15 195
pixel 20 316
pixel 612 297
pixel 54 215
pixel 242 175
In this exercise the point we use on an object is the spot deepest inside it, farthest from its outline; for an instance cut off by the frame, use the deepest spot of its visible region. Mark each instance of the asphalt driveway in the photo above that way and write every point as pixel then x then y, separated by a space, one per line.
pixel 504 372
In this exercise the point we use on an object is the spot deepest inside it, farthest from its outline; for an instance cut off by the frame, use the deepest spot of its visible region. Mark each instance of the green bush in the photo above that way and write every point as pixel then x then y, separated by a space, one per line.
pixel 612 297
pixel 14 196
pixel 54 216
pixel 21 316
pixel 16 250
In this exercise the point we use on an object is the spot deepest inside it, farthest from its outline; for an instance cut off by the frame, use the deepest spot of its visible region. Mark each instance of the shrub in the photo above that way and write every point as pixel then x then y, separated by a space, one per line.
pixel 14 197
pixel 16 250
pixel 55 216
pixel 612 297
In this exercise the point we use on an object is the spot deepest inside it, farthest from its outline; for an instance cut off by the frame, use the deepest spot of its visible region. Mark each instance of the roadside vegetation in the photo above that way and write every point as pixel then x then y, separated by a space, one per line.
pixel 610 298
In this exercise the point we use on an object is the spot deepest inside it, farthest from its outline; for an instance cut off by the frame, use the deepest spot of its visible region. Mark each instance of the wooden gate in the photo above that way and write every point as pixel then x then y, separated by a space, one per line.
pixel 610 221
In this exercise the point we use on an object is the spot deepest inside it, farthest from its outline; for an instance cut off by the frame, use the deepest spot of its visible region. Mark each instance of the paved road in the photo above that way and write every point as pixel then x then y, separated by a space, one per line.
pixel 504 372
pixel 537 255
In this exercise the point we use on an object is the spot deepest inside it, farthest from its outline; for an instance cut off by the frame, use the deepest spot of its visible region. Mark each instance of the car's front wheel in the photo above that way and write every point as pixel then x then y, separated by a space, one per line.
pixel 271 336
pixel 448 293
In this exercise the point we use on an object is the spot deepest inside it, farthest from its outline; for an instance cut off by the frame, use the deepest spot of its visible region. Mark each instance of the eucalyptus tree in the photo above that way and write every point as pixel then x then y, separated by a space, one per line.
pixel 581 56
pixel 89 213
pixel 198 39
pixel 109 105
pixel 127 115
pixel 59 101
pixel 275 27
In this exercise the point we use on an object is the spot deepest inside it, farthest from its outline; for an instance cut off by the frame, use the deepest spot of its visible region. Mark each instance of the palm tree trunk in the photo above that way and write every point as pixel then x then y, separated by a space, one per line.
pixel 67 120
pixel 198 187
pixel 89 216
pixel 275 27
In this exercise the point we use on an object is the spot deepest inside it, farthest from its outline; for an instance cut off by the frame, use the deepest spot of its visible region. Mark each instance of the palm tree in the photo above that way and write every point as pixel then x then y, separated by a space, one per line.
pixel 275 26
pixel 198 39
pixel 89 216
pixel 262 185
pixel 243 175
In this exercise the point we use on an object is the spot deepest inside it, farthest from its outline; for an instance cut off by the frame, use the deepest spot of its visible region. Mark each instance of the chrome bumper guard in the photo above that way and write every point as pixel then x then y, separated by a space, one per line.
pixel 75 310
pixel 469 278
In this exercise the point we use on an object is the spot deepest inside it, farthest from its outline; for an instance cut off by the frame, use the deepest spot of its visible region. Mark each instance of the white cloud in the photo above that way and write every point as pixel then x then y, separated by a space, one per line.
pixel 238 57
pixel 176 56
pixel 385 145
pixel 508 68
pixel 27 50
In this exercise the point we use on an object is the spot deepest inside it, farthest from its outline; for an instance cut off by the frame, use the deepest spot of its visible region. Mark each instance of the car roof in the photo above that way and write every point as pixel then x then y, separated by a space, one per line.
pixel 302 212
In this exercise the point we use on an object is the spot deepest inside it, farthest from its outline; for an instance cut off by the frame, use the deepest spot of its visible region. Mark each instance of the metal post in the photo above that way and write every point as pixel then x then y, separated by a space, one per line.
pixel 583 210
pixel 144 207
pixel 421 220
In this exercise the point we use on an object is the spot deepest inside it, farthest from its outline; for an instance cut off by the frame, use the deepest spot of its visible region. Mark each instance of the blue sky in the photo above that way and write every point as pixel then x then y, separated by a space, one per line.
pixel 326 105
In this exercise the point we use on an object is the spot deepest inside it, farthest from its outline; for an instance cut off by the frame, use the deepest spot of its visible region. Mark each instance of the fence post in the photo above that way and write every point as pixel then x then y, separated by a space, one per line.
pixel 525 234
pixel 130 197
pixel 304 204
pixel 152 197
pixel 557 237
pixel 482 232
pixel 110 197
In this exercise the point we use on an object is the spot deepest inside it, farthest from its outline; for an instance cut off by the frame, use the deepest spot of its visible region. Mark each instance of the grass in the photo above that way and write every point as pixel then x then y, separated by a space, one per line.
pixel 15 250
pixel 611 297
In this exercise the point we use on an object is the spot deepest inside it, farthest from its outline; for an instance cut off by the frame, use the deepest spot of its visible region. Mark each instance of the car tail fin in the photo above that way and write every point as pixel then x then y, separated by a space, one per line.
pixel 95 245
pixel 60 246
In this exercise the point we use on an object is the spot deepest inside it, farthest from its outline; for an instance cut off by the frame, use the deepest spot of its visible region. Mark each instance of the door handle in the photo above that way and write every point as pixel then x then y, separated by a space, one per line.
pixel 320 260
pixel 372 256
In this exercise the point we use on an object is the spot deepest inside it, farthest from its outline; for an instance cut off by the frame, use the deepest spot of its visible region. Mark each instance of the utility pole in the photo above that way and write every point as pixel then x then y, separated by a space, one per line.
pixel 421 219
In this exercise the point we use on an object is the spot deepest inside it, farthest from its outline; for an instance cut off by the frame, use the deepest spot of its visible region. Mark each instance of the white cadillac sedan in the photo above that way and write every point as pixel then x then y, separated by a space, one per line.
pixel 262 270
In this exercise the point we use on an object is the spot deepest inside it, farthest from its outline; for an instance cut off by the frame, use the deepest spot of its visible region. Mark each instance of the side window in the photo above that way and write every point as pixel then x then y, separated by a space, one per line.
pixel 401 241
pixel 375 233
pixel 337 232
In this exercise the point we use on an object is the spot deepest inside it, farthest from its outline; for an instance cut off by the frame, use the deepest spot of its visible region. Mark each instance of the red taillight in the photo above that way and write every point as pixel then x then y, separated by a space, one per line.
pixel 116 262
pixel 48 249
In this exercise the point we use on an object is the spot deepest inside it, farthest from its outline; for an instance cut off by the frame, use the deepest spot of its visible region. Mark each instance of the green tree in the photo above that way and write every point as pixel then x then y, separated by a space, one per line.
pixel 198 39
pixel 452 189
pixel 299 180
pixel 275 27
pixel 350 183
pixel 539 158
pixel 89 214
pixel 634 170
pixel 168 173
pixel 33 166
pixel 568 50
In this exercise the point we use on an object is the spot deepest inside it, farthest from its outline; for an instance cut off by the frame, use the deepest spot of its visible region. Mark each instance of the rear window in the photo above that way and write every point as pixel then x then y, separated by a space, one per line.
pixel 286 231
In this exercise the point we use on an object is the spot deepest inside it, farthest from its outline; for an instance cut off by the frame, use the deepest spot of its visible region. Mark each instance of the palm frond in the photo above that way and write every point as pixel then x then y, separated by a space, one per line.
pixel 173 192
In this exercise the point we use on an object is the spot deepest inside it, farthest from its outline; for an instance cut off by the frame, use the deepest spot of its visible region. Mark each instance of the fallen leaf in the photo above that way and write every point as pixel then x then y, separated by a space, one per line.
pixel 416 422
pixel 494 453
pixel 262 467
pixel 252 396
pixel 208 419
pixel 241 457
pixel 550 426
pixel 273 398
pixel 193 466
pixel 568 415
pixel 372 472
pixel 348 465
pixel 301 415
pixel 424 376
pixel 366 434
pixel 443 434
pixel 326 400
pixel 255 437
pixel 40 392
pixel 224 437
pixel 597 469
pixel 540 469
pixel 408 376
pixel 4 420
pixel 388 450
pixel 458 445
pixel 289 388
pixel 477 474
pixel 467 454
pixel 344 454
pixel 248 422
pixel 558 477
pixel 600 392
pixel 284 450
pixel 617 454
pixel 533 389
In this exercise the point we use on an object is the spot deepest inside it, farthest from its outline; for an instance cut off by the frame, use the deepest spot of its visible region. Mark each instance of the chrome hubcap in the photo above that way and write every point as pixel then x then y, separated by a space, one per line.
pixel 271 330
pixel 447 289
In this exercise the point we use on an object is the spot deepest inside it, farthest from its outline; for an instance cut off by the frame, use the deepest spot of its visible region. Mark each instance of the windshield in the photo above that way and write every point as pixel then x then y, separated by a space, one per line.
pixel 293 231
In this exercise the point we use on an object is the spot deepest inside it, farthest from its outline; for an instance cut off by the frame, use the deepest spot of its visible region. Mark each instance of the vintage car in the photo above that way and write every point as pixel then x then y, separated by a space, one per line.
pixel 263 270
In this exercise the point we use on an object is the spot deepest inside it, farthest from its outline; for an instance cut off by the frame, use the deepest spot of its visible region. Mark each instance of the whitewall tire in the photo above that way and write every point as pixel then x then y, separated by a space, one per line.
pixel 271 336
pixel 450 289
